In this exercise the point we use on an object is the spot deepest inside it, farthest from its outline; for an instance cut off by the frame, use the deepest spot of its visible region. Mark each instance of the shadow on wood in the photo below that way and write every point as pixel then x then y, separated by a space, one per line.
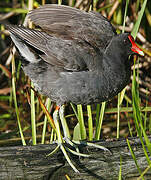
pixel 31 162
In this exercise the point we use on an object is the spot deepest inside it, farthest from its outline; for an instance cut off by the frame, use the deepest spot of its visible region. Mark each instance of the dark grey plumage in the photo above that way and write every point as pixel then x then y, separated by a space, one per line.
pixel 75 57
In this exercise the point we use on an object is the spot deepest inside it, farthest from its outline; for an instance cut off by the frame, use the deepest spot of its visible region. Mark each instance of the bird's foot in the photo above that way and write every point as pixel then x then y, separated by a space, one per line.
pixel 60 141
pixel 76 144
pixel 73 144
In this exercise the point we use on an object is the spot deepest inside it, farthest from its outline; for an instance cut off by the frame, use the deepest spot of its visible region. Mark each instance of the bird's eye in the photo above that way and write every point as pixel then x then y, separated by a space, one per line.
pixel 126 41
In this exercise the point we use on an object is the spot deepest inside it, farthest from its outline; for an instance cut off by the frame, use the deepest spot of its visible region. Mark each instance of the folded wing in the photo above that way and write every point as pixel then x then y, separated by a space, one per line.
pixel 71 23
pixel 69 38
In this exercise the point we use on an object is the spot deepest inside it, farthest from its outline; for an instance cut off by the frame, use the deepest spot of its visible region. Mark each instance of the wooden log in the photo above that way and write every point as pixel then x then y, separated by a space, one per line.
pixel 32 162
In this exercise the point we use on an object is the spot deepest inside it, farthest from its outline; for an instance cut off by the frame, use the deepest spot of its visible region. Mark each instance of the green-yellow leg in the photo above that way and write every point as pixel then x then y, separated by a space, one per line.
pixel 60 139
pixel 64 123
pixel 66 132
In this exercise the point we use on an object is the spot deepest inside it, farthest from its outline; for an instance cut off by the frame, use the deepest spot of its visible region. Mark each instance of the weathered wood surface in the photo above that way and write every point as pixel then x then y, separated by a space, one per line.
pixel 31 162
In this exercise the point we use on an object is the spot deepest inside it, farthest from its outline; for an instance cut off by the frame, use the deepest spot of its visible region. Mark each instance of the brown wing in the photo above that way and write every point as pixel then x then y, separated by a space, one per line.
pixel 72 39
pixel 71 23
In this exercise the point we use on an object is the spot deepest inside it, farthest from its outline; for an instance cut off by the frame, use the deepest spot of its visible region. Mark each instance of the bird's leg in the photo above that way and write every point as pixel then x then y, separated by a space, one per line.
pixel 64 123
pixel 56 121
pixel 66 132
pixel 73 143
pixel 60 139
pixel 60 110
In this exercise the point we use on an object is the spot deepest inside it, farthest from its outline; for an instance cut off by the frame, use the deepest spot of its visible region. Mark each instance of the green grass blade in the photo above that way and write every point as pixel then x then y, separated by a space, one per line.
pixel 143 173
pixel 15 10
pixel 120 171
pixel 98 128
pixel 149 123
pixel 118 116
pixel 130 130
pixel 134 157
pixel 135 95
pixel 137 5
pixel 138 118
pixel 76 133
pixel 52 136
pixel 137 24
pixel 15 101
pixel 33 118
pixel 114 110
pixel 98 106
pixel 18 70
pixel 90 122
pixel 81 122
pixel 74 110
pixel 125 13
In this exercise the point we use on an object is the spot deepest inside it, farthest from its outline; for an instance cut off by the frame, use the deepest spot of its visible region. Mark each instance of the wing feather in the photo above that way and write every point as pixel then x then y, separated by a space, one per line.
pixel 69 38
pixel 55 51
pixel 71 23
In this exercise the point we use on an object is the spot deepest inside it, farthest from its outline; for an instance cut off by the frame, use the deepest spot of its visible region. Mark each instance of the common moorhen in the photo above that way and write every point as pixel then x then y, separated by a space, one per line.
pixel 75 56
